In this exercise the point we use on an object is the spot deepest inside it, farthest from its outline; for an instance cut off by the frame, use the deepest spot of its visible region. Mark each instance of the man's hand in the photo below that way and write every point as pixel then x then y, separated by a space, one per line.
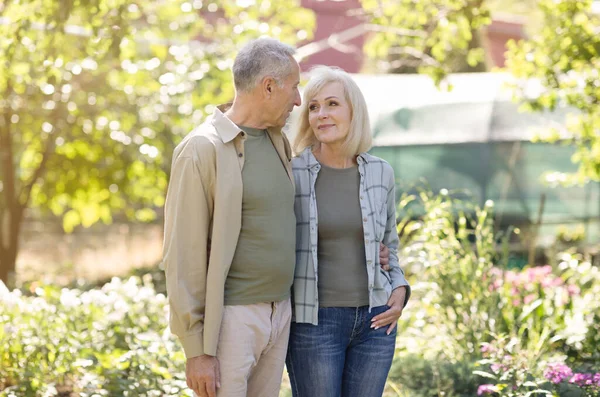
pixel 390 317
pixel 384 257
pixel 202 375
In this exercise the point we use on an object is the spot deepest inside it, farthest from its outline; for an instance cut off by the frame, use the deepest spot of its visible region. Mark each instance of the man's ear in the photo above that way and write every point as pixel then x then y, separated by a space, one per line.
pixel 267 86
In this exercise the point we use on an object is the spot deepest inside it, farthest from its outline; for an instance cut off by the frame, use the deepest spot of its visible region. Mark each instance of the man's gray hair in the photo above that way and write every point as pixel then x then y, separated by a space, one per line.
pixel 260 58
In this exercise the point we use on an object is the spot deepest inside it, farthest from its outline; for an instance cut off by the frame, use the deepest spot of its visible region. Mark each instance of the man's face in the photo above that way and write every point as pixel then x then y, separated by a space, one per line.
pixel 285 97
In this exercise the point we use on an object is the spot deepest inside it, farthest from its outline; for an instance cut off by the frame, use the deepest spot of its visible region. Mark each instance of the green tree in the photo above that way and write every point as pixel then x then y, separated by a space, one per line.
pixel 95 94
pixel 435 37
pixel 558 66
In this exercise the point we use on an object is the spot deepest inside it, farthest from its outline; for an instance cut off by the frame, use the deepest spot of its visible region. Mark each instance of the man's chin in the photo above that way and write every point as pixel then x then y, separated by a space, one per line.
pixel 281 124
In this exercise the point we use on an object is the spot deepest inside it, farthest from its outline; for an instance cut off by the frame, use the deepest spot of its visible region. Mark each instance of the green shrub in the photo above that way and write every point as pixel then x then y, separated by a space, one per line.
pixel 112 341
pixel 453 246
pixel 431 378
pixel 464 295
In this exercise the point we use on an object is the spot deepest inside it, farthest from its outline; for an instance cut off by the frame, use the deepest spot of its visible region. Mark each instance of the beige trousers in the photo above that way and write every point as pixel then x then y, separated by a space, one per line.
pixel 252 349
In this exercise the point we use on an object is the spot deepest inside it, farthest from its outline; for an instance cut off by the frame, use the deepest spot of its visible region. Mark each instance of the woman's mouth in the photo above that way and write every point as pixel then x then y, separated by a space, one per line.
pixel 325 126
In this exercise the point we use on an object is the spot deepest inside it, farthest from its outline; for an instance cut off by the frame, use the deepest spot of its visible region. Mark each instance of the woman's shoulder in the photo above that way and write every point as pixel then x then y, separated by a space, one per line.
pixel 302 160
pixel 377 163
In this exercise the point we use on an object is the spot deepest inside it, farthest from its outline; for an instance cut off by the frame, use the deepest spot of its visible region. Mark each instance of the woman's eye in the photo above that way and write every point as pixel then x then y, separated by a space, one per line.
pixel 333 103
pixel 312 107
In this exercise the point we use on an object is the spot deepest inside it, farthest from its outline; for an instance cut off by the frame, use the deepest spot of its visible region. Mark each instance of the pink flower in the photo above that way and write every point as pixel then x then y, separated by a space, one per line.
pixel 486 389
pixel 531 275
pixel 529 298
pixel 573 290
pixel 510 277
pixel 496 284
pixel 551 281
pixel 544 270
pixel 557 372
pixel 582 379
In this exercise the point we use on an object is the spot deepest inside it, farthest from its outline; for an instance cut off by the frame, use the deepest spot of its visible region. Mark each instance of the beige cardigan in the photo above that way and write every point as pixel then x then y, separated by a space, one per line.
pixel 203 213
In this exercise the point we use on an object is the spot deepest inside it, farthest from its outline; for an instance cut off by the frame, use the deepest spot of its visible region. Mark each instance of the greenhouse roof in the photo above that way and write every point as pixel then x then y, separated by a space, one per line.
pixel 411 110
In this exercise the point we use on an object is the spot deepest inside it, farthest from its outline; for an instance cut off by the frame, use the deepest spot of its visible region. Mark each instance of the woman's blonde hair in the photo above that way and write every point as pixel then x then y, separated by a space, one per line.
pixel 359 137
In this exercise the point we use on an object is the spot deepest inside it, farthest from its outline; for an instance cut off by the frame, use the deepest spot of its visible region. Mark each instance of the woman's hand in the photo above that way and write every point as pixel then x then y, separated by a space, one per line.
pixel 384 257
pixel 390 317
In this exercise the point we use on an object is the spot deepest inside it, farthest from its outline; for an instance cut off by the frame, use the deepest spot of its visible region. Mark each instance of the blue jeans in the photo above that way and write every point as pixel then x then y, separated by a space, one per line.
pixel 342 356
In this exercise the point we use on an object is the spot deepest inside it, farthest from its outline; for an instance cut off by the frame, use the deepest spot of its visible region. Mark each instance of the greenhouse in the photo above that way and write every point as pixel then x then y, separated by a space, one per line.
pixel 474 139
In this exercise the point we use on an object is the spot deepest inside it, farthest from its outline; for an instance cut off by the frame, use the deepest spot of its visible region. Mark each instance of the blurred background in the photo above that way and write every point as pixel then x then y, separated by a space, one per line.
pixel 488 111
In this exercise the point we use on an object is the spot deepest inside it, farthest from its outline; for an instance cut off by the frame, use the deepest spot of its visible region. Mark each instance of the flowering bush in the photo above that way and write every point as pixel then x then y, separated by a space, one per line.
pixel 112 341
pixel 451 246
pixel 534 303
pixel 464 296
pixel 512 369
pixel 559 374
pixel 582 322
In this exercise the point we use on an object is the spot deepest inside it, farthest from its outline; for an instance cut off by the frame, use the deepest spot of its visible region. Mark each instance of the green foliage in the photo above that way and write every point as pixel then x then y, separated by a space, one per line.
pixel 113 338
pixel 582 332
pixel 512 369
pixel 431 378
pixel 558 66
pixel 452 245
pixel 95 94
pixel 109 341
pixel 108 104
pixel 433 36
pixel 463 297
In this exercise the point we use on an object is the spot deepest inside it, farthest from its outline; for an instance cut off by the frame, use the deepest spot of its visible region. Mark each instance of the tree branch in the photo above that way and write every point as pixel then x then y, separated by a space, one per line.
pixel 398 63
pixel 415 53
pixel 25 193
pixel 336 40
pixel 372 27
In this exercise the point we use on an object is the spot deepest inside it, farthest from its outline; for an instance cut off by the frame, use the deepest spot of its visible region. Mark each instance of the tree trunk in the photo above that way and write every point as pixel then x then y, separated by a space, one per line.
pixel 8 261
pixel 10 228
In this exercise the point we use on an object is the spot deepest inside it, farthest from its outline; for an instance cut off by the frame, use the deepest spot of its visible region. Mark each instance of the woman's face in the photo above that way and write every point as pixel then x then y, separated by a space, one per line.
pixel 329 114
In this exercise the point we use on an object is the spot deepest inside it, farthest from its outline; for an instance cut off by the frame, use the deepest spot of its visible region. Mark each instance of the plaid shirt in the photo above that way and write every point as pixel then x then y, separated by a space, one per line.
pixel 378 210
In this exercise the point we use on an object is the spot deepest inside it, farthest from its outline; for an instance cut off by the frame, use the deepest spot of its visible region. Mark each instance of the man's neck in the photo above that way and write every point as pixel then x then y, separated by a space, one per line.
pixel 246 111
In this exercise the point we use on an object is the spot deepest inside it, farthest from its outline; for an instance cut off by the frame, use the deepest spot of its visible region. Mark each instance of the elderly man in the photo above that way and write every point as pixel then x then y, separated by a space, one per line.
pixel 229 247
pixel 230 232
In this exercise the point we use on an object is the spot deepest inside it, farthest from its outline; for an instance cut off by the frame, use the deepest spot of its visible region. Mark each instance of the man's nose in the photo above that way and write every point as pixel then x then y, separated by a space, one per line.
pixel 297 99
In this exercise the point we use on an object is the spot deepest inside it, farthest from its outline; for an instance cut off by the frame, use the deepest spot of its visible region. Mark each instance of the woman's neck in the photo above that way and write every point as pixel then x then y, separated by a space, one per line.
pixel 332 156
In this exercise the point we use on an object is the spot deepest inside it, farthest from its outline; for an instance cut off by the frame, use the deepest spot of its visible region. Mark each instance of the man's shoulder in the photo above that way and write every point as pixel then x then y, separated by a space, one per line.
pixel 201 141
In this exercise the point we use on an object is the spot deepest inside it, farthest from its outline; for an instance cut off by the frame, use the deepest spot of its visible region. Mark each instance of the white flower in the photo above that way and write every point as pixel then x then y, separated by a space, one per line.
pixel 69 298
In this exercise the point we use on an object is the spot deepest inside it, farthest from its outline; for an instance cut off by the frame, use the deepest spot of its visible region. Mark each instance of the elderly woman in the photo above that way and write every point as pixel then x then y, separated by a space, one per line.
pixel 346 306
